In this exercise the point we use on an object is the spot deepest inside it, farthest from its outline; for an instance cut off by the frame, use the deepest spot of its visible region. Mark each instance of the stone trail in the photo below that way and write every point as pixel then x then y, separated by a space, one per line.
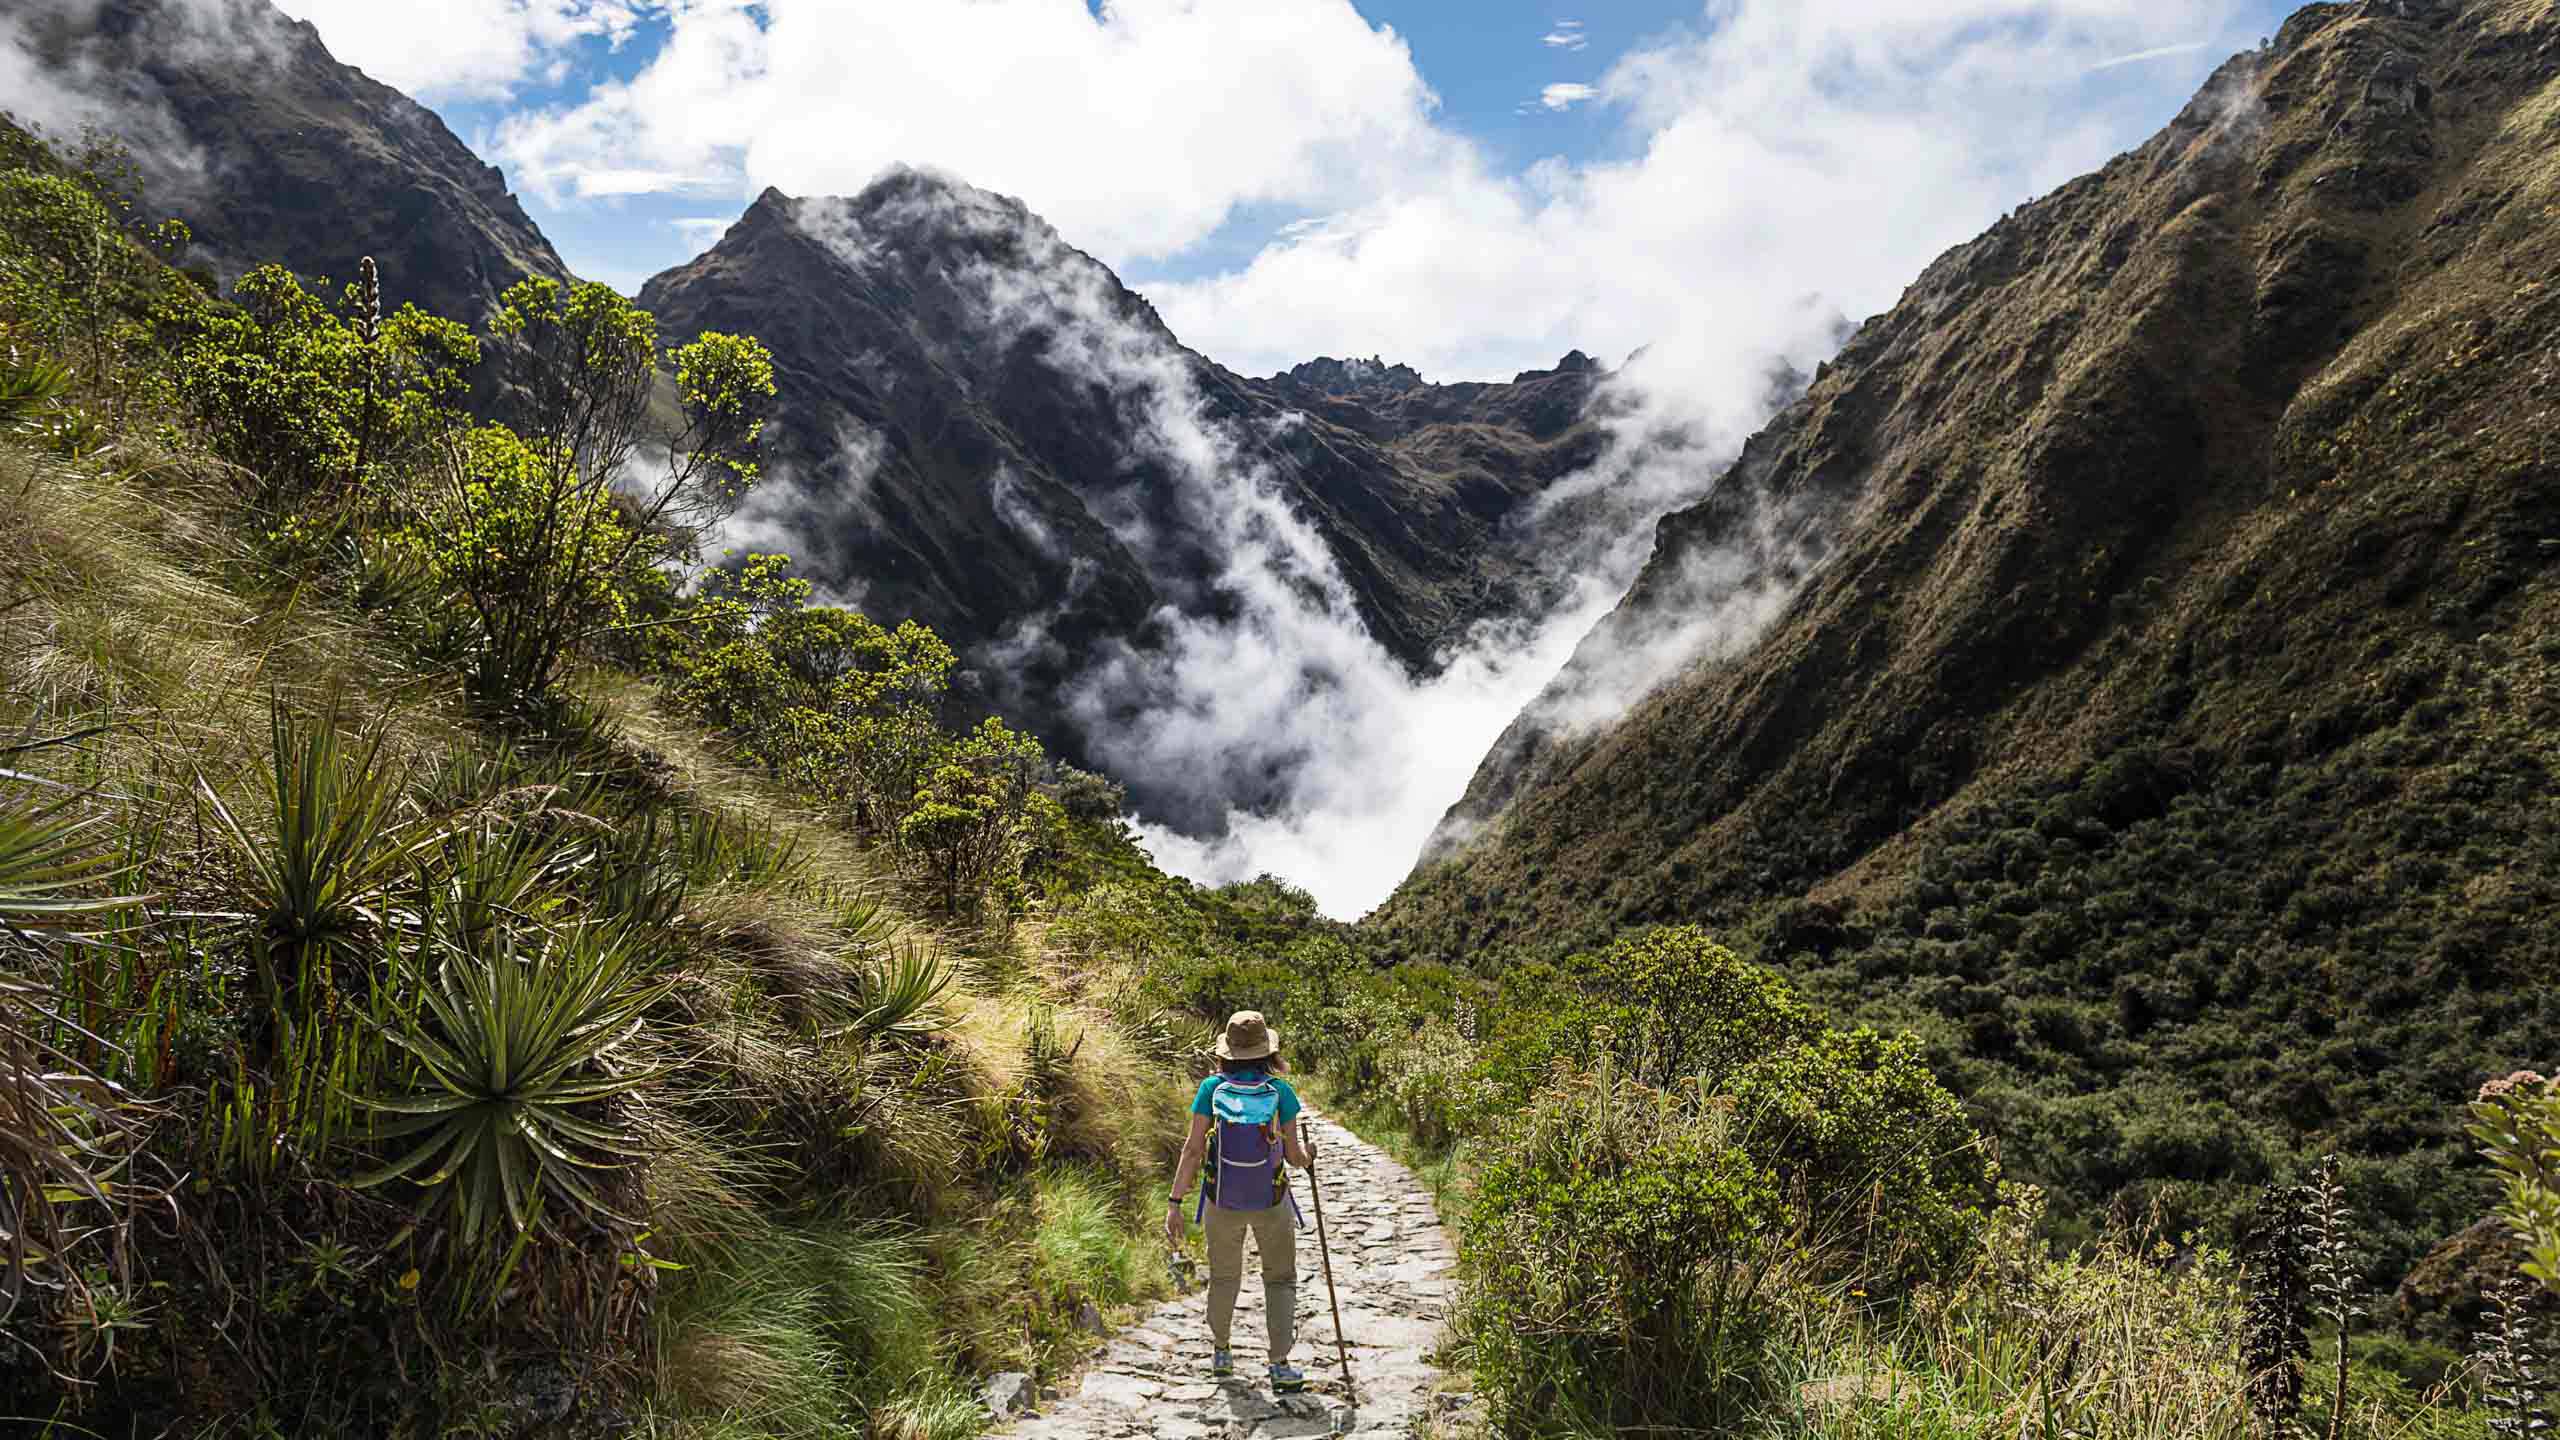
pixel 1395 1272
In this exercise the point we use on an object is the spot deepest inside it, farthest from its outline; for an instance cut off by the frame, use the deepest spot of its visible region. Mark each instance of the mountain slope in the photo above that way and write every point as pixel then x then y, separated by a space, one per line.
pixel 983 429
pixel 2132 660
pixel 245 127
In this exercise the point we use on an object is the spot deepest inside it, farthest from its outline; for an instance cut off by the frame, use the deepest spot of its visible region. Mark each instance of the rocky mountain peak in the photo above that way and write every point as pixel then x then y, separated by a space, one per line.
pixel 1328 376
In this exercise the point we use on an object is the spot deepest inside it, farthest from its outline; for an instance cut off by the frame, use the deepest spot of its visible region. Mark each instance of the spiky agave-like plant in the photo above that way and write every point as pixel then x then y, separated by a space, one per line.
pixel 342 843
pixel 899 996
pixel 515 1036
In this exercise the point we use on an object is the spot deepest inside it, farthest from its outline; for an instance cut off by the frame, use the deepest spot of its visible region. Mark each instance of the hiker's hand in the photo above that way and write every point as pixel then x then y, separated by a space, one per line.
pixel 1173 1227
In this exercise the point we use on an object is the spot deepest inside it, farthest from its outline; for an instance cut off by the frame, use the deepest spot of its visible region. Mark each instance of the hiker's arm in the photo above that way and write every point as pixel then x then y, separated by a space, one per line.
pixel 1293 1148
pixel 1194 1151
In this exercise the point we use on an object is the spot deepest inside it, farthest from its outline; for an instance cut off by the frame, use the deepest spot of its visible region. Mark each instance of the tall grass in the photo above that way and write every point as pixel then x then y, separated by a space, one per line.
pixel 1086 1247
pixel 817 1331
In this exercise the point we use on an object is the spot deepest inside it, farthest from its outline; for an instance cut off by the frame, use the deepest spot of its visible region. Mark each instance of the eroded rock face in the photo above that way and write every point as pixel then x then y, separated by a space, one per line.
pixel 2444 1296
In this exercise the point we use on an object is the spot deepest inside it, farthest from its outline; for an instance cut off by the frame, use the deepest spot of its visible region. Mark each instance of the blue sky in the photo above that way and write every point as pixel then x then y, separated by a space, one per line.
pixel 1291 176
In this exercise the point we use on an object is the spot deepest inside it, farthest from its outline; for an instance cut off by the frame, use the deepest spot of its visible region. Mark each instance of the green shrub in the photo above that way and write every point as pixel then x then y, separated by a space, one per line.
pixel 293 392
pixel 1428 1077
pixel 1681 1130
pixel 555 523
pixel 1887 1178
pixel 2517 1120
pixel 1620 1248
pixel 969 820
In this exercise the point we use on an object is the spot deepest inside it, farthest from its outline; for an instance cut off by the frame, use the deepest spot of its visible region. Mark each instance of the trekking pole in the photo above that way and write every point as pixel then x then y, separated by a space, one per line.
pixel 1324 1247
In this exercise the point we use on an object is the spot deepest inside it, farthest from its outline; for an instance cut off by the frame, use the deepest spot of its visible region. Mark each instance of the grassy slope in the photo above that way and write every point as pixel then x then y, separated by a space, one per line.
pixel 2170 734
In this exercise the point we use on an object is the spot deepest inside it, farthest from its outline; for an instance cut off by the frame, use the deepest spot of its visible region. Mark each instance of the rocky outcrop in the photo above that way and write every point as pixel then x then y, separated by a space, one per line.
pixel 245 127
pixel 1325 375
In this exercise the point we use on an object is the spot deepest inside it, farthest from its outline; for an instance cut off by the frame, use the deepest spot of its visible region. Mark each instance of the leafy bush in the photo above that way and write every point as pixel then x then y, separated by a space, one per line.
pixel 562 516
pixel 2518 1121
pixel 293 392
pixel 1620 1250
pixel 967 826
pixel 1428 1078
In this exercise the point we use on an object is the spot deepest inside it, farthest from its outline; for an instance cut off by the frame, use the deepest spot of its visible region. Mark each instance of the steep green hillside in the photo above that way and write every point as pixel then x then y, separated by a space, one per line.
pixel 2164 705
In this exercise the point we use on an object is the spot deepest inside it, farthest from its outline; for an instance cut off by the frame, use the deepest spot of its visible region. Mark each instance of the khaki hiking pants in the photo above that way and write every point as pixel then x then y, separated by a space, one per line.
pixel 1277 1240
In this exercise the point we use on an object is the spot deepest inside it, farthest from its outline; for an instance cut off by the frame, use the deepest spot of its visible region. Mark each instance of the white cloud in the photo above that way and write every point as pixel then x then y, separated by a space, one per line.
pixel 1796 148
pixel 1566 36
pixel 1138 130
pixel 464 48
pixel 702 231
pixel 1564 96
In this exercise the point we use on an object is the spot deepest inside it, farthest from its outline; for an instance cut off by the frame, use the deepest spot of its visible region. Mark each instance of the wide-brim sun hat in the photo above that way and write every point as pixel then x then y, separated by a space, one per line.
pixel 1247 1037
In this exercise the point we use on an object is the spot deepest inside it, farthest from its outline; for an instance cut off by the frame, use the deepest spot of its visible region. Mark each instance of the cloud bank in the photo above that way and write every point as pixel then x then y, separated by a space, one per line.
pixel 1162 117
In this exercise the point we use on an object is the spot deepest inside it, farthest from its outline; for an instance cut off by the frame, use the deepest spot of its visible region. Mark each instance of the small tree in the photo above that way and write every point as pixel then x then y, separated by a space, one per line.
pixel 968 819
pixel 587 360
pixel 841 704
pixel 1682 1004
pixel 305 399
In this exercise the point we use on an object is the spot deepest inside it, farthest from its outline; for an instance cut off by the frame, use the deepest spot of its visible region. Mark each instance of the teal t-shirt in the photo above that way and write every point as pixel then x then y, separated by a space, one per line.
pixel 1288 1097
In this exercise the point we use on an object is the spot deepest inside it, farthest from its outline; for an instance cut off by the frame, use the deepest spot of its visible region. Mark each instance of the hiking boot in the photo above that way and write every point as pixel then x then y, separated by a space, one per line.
pixel 1222 1363
pixel 1287 1379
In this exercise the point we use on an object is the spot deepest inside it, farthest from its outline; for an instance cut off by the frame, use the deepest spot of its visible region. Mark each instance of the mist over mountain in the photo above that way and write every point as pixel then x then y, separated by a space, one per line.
pixel 2095 723
pixel 1286 612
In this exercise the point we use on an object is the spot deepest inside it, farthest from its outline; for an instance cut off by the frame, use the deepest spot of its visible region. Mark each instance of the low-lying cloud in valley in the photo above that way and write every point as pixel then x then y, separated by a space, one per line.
pixel 1263 724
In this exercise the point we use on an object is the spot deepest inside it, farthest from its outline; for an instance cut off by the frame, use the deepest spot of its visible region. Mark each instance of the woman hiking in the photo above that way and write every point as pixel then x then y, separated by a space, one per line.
pixel 1244 1122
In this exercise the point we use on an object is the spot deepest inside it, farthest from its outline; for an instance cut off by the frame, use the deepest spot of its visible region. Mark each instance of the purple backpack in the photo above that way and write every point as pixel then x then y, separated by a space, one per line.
pixel 1244 1146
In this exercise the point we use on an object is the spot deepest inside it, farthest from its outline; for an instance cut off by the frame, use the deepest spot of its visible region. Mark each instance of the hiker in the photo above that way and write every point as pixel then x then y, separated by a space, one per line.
pixel 1244 1122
